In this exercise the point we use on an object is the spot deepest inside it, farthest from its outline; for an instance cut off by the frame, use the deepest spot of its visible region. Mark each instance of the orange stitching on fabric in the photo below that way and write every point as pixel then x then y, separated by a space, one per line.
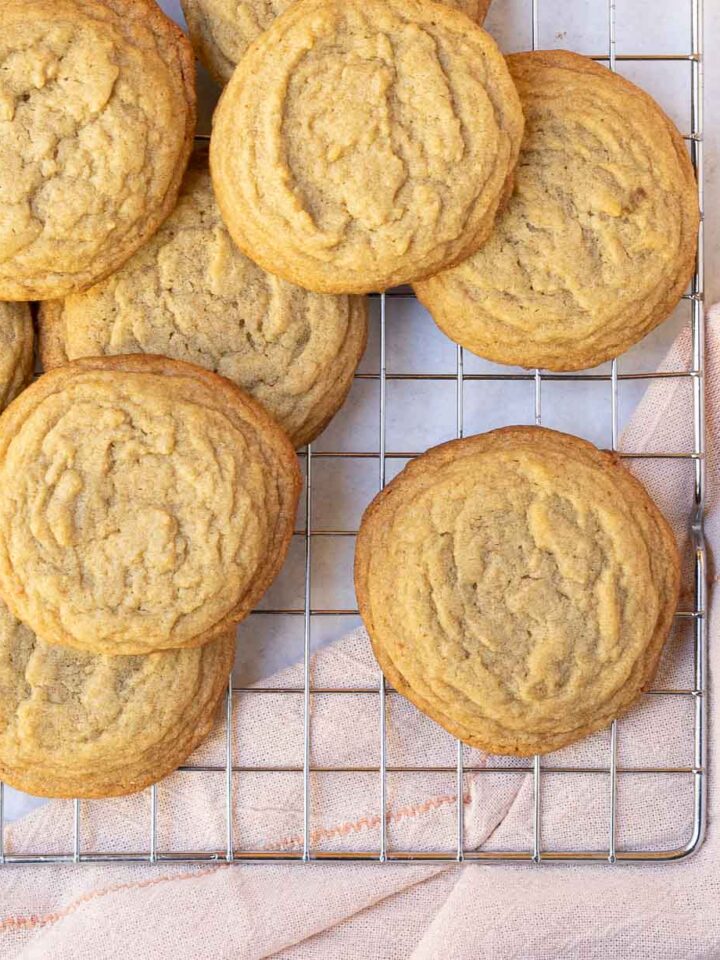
pixel 366 823
pixel 343 829
pixel 15 923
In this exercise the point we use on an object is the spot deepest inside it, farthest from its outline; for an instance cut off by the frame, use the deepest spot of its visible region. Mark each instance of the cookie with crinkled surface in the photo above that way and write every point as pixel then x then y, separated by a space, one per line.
pixel 145 504
pixel 82 725
pixel 190 294
pixel 597 243
pixel 360 145
pixel 97 112
pixel 16 350
pixel 517 587
pixel 222 30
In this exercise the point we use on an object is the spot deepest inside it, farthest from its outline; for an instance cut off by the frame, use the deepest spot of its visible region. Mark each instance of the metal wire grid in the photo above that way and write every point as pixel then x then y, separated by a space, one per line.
pixel 696 616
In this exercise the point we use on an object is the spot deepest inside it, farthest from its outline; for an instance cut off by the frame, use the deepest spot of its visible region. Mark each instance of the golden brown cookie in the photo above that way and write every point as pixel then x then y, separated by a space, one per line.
pixel 360 145
pixel 518 587
pixel 16 350
pixel 190 294
pixel 222 30
pixel 79 725
pixel 597 243
pixel 145 504
pixel 97 112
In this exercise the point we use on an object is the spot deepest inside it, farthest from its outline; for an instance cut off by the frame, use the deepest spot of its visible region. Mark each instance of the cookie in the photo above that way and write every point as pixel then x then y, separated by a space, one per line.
pixel 79 725
pixel 518 587
pixel 222 30
pixel 97 113
pixel 190 294
pixel 16 350
pixel 596 245
pixel 145 504
pixel 360 145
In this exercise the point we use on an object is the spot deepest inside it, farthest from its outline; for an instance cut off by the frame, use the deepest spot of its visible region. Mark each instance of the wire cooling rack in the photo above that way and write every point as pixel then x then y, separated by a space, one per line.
pixel 385 459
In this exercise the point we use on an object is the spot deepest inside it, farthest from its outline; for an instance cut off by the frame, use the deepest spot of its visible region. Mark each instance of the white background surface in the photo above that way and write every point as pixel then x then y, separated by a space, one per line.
pixel 422 414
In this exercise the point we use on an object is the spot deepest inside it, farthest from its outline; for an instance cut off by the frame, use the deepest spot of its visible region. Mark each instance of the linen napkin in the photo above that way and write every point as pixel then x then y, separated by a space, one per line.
pixel 398 910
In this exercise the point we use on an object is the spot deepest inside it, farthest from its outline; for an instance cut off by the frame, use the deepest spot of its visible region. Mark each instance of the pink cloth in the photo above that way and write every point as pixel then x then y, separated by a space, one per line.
pixel 406 910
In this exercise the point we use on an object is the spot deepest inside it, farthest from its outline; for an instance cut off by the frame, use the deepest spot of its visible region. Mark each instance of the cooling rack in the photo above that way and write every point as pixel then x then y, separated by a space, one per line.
pixel 384 459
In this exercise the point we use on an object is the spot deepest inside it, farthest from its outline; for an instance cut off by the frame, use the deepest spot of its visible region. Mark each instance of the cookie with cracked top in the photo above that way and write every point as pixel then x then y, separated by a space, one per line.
pixel 362 144
pixel 190 294
pixel 518 587
pixel 97 114
pixel 17 343
pixel 222 30
pixel 597 243
pixel 145 504
pixel 83 725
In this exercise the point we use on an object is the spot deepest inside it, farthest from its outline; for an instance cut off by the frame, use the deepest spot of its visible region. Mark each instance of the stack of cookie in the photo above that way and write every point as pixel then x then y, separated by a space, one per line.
pixel 145 506
pixel 202 317
pixel 147 503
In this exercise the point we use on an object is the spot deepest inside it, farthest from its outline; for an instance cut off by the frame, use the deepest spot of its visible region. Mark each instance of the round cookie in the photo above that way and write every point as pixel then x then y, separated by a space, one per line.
pixel 78 725
pixel 97 114
pixel 360 145
pixel 597 243
pixel 222 30
pixel 190 294
pixel 145 504
pixel 518 587
pixel 16 350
